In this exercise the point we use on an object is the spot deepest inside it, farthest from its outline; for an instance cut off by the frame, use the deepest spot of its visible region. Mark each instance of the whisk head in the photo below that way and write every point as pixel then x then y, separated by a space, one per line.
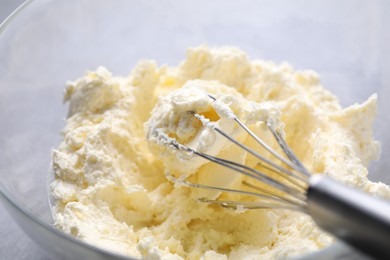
pixel 287 191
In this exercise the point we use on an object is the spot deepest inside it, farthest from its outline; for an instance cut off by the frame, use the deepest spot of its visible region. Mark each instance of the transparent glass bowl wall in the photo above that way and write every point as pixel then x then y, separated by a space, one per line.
pixel 48 42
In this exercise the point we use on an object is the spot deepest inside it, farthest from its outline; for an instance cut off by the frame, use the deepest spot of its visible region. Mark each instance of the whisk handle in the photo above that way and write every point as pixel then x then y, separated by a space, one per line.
pixel 351 215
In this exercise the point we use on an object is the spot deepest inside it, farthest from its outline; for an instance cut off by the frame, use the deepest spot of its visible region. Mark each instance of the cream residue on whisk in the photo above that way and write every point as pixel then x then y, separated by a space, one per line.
pixel 110 186
pixel 189 115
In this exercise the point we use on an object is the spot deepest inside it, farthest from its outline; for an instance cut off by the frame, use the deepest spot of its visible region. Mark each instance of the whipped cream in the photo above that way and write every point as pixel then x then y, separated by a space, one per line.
pixel 189 116
pixel 110 186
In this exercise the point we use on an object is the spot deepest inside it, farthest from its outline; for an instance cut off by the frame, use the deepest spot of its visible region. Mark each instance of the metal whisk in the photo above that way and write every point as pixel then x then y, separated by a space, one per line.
pixel 349 214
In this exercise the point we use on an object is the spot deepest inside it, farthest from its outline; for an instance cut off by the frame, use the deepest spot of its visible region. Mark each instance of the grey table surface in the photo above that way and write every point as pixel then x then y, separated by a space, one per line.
pixel 15 245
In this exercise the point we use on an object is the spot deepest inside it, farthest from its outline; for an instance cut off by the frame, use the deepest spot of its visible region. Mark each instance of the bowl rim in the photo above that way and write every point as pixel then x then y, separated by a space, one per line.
pixel 18 206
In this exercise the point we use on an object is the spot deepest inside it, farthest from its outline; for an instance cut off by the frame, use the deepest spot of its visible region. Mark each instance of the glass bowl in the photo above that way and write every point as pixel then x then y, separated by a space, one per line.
pixel 46 42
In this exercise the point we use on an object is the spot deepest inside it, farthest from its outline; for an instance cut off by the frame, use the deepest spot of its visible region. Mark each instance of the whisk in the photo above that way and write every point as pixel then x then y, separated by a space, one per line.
pixel 351 215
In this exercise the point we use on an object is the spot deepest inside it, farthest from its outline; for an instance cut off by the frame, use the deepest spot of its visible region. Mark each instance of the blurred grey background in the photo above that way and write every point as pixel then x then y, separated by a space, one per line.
pixel 15 245
pixel 7 6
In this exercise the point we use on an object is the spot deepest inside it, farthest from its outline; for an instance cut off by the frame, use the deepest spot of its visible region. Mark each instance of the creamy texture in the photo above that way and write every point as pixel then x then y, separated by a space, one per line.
pixel 110 186
pixel 189 115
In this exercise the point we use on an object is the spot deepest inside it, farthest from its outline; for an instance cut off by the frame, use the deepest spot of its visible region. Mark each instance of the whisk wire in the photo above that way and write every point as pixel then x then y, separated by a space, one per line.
pixel 250 205
pixel 293 163
pixel 286 149
pixel 259 156
pixel 255 174
pixel 288 192
pixel 270 192
pixel 270 200
pixel 286 177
